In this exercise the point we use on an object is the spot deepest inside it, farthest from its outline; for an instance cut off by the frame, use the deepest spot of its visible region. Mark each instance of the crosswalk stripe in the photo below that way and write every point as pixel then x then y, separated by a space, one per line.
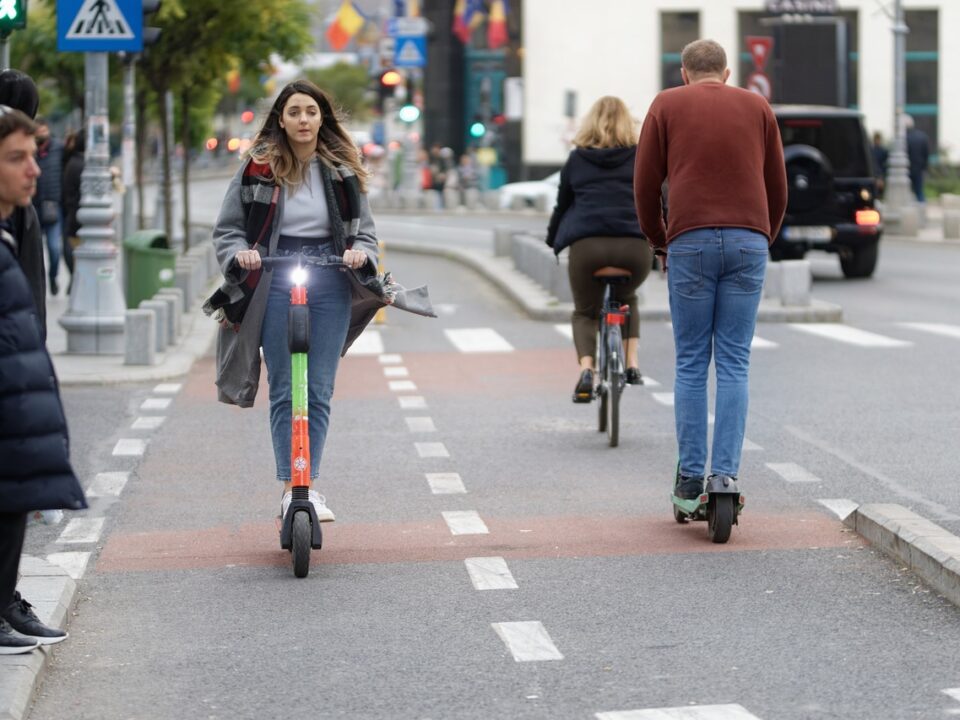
pixel 391 359
pixel 82 530
pixel 952 331
pixel 477 340
pixel 402 385
pixel 665 398
pixel 420 424
pixel 108 484
pixel 850 335
pixel 412 402
pixel 431 449
pixel 791 472
pixel 448 483
pixel 148 422
pixel 758 343
pixel 953 692
pixel 527 641
pixel 129 447
pixel 395 371
pixel 155 404
pixel 490 573
pixel 75 563
pixel 702 712
pixel 564 329
pixel 368 343
pixel 465 522
pixel 167 388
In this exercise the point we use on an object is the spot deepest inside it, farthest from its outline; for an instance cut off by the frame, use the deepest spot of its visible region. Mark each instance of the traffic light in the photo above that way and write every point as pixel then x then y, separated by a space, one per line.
pixel 390 80
pixel 409 113
pixel 150 34
pixel 478 129
pixel 13 16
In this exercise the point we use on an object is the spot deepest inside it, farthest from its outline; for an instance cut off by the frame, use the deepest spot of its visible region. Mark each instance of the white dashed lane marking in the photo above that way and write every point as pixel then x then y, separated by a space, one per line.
pixel 431 449
pixel 402 385
pixel 791 472
pixel 952 331
pixel 130 447
pixel 148 422
pixel 702 712
pixel 490 573
pixel 465 522
pixel 395 371
pixel 155 404
pixel 167 388
pixel 445 483
pixel 390 359
pixel 420 424
pixel 412 402
pixel 82 530
pixel 850 335
pixel 108 484
pixel 478 340
pixel 369 343
pixel 527 641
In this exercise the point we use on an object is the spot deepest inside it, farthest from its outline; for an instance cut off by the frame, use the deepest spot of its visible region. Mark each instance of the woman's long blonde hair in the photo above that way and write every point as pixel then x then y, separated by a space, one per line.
pixel 607 124
pixel 334 144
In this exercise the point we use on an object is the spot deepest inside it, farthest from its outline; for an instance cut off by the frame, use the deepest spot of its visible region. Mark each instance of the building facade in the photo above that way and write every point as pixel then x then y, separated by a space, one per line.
pixel 574 52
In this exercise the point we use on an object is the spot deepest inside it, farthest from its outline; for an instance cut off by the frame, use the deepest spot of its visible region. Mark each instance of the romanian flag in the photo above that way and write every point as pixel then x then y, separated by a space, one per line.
pixel 460 27
pixel 497 25
pixel 346 23
pixel 413 8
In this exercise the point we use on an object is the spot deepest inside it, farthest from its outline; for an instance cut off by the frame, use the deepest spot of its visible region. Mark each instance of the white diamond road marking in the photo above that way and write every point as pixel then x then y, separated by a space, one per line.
pixel 74 563
pixel 953 692
pixel 564 329
pixel 108 484
pixel 445 483
pixel 841 507
pixel 167 388
pixel 952 331
pixel 395 371
pixel 758 343
pixel 155 404
pixel 390 359
pixel 850 335
pixel 412 402
pixel 702 712
pixel 420 424
pixel 527 641
pixel 478 340
pixel 129 447
pixel 368 343
pixel 490 573
pixel 82 530
pixel 148 422
pixel 465 522
pixel 791 472
pixel 431 449
pixel 402 385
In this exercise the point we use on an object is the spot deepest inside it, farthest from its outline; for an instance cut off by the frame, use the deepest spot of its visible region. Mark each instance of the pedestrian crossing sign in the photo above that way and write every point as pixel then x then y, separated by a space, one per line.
pixel 99 25
pixel 410 51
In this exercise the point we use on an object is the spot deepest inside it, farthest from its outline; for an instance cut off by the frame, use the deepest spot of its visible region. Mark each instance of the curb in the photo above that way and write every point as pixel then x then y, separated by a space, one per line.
pixel 541 305
pixel 52 593
pixel 928 550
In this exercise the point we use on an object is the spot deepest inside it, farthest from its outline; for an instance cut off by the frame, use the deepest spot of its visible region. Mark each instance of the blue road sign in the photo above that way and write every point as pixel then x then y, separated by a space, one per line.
pixel 99 25
pixel 410 48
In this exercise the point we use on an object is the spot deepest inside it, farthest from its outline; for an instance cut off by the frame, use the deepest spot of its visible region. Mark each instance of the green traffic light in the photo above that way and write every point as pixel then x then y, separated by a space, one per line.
pixel 477 129
pixel 409 113
pixel 13 15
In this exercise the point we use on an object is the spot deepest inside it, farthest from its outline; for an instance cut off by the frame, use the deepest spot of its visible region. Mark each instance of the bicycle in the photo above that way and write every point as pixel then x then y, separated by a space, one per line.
pixel 610 364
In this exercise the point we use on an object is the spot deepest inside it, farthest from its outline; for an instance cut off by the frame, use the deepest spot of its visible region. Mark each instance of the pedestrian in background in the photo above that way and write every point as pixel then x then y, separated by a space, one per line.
pixel 74 150
pixel 35 471
pixel 880 154
pixel 49 198
pixel 18 91
pixel 596 218
pixel 918 155
pixel 302 190
pixel 719 148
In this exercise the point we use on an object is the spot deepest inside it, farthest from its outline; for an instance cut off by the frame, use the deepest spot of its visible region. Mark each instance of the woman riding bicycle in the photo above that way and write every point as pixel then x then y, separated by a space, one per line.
pixel 596 218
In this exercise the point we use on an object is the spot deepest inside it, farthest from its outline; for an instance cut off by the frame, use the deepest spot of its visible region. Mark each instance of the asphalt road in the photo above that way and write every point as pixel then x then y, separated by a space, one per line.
pixel 189 608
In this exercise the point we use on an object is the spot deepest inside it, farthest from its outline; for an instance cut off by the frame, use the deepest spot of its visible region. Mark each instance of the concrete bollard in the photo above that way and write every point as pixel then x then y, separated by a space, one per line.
pixel 172 316
pixel 410 200
pixel 431 200
pixel 950 201
pixel 546 264
pixel 909 222
pixel 178 307
pixel 161 308
pixel 491 199
pixel 542 204
pixel 561 279
pixel 451 198
pixel 140 336
pixel 502 240
pixel 471 198
pixel 771 281
pixel 951 224
pixel 796 282
pixel 518 203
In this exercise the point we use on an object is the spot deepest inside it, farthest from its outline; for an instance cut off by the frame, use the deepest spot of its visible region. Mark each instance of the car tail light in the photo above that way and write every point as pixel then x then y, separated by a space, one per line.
pixel 868 217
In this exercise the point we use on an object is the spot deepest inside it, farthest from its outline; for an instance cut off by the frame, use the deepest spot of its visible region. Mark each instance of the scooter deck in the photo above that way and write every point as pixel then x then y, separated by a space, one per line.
pixel 695 509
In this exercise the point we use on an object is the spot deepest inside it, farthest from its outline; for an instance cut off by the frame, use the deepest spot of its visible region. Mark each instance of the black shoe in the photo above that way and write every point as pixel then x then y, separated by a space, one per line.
pixel 689 488
pixel 634 377
pixel 14 643
pixel 21 617
pixel 54 288
pixel 583 392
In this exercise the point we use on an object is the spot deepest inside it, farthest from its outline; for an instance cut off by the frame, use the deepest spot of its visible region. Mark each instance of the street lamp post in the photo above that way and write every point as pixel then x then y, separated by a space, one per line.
pixel 898 194
pixel 95 317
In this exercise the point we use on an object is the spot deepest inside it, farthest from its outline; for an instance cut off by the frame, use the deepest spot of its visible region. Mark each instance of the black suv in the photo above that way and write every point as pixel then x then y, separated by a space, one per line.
pixel 831 188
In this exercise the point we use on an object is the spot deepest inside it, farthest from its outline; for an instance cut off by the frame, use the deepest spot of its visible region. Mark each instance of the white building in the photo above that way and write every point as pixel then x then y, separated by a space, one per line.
pixel 574 51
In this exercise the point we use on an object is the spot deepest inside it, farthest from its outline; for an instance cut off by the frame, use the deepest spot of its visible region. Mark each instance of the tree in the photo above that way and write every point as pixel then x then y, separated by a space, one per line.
pixel 348 86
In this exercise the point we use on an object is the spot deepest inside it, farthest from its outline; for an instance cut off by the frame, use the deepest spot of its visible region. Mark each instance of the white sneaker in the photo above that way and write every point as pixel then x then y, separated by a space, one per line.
pixel 324 514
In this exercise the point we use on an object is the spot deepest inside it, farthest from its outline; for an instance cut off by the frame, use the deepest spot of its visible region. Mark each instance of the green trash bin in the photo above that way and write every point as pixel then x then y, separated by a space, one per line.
pixel 149 263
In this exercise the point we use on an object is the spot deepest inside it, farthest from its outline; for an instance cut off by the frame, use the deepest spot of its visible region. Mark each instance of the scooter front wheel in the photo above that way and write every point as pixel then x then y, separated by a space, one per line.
pixel 301 535
pixel 721 513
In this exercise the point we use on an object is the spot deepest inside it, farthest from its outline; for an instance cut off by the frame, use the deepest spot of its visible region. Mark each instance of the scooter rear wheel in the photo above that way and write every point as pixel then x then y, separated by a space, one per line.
pixel 679 515
pixel 301 536
pixel 720 515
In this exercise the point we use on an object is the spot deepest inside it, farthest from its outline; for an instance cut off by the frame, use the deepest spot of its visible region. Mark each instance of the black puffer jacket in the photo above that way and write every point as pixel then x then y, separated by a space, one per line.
pixel 595 198
pixel 35 471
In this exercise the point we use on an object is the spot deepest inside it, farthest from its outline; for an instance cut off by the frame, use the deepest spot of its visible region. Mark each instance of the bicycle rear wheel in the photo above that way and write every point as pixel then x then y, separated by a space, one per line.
pixel 613 379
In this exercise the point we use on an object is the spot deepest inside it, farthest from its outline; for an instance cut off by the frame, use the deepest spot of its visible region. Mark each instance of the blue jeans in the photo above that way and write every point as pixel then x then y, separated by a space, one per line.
pixel 53 233
pixel 715 277
pixel 328 296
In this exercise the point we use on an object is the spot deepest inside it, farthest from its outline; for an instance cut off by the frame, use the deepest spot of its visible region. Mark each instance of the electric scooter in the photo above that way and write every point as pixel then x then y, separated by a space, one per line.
pixel 299 527
pixel 719 504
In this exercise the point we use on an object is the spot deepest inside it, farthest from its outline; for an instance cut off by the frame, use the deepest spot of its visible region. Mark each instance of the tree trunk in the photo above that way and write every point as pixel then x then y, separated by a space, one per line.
pixel 165 150
pixel 141 142
pixel 185 141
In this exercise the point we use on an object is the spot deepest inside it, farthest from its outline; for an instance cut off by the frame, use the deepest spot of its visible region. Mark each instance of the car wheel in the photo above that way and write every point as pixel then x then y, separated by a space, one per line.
pixel 861 263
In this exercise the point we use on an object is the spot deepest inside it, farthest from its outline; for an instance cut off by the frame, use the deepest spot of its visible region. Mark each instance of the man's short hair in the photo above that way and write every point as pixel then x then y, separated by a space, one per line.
pixel 704 57
pixel 12 121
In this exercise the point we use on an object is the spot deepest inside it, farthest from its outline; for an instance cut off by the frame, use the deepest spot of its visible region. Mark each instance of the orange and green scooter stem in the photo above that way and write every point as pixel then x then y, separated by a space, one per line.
pixel 300 437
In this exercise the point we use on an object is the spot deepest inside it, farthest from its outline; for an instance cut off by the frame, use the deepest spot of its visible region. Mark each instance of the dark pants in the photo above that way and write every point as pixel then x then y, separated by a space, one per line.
pixel 12 528
pixel 588 255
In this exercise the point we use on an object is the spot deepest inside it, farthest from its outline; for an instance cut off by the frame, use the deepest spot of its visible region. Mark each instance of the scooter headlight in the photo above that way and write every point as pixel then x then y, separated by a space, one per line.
pixel 299 275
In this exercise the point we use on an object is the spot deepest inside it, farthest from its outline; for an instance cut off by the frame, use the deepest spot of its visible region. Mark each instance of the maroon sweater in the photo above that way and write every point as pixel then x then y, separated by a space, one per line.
pixel 719 149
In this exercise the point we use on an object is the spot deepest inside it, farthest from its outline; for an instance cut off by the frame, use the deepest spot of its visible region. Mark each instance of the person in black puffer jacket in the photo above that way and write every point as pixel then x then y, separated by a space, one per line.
pixel 595 216
pixel 35 470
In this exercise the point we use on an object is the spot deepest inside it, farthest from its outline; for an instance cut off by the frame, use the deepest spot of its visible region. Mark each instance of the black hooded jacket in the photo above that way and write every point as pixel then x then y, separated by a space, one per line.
pixel 595 198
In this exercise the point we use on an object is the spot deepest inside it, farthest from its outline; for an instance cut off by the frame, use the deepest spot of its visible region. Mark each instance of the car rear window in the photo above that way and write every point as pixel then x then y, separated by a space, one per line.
pixel 840 139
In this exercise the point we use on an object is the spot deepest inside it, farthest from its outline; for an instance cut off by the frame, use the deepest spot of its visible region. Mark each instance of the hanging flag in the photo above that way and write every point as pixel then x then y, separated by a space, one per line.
pixel 460 27
pixel 413 8
pixel 474 14
pixel 399 8
pixel 497 25
pixel 346 23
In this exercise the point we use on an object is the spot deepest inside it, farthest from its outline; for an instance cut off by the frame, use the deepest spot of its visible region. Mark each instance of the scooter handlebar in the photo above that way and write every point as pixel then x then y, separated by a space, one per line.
pixel 270 262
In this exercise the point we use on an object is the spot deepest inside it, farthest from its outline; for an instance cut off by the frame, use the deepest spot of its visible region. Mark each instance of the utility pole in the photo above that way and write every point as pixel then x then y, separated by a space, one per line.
pixel 128 146
pixel 898 194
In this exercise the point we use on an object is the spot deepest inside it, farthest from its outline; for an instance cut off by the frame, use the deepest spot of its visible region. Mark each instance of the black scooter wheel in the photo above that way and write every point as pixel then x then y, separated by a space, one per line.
pixel 720 515
pixel 679 515
pixel 300 543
